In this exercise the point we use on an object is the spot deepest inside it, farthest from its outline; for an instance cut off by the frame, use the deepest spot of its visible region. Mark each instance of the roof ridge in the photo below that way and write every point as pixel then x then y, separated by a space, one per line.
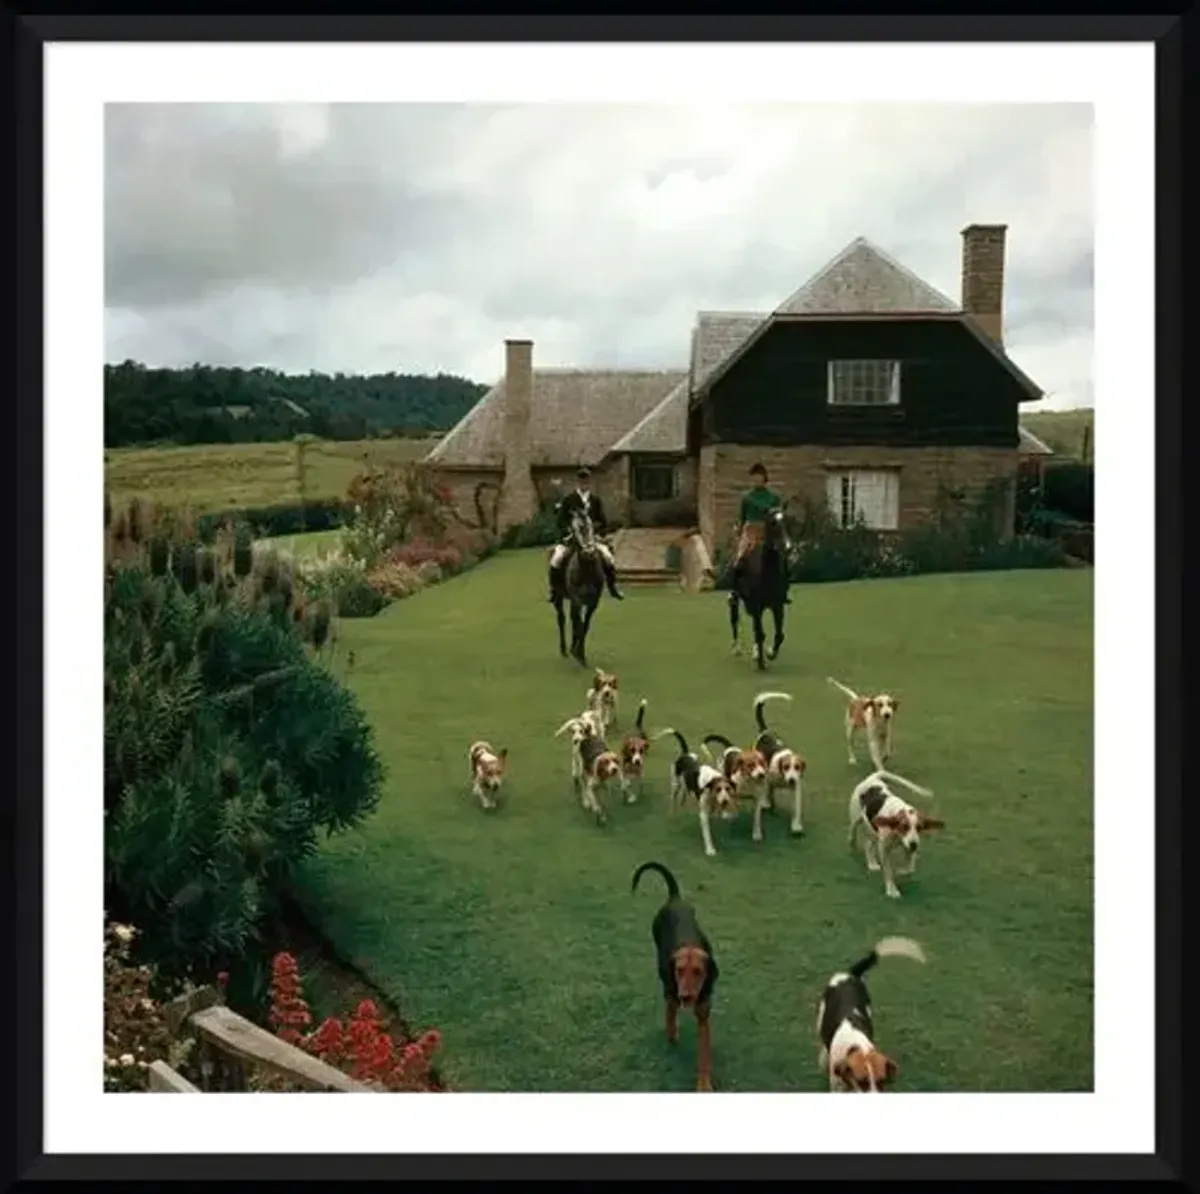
pixel 940 301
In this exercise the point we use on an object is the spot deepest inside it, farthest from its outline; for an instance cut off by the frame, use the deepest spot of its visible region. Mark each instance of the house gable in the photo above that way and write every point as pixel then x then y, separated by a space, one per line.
pixel 863 282
pixel 953 392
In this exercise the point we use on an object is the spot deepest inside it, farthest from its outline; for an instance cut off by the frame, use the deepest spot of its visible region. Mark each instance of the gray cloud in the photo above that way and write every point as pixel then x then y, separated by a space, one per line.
pixel 416 237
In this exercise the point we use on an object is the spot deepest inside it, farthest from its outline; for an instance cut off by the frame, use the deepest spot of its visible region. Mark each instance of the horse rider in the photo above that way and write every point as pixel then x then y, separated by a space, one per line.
pixel 757 503
pixel 581 501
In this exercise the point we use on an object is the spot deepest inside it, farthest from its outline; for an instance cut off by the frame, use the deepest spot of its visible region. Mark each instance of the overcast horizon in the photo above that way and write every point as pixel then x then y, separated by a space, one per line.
pixel 415 238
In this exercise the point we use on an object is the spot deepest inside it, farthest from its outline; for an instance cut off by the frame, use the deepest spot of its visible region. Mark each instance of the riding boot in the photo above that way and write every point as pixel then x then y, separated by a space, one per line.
pixel 610 577
pixel 556 581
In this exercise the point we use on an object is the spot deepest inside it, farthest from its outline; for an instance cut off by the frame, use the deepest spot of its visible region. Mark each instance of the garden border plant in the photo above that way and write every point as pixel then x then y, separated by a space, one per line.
pixel 229 745
pixel 964 535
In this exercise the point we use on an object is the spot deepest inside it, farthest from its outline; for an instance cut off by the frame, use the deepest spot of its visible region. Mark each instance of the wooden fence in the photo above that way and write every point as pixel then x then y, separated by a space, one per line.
pixel 229 1045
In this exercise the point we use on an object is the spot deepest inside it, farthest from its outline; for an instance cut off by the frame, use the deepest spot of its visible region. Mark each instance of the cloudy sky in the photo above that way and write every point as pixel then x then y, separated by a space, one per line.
pixel 416 237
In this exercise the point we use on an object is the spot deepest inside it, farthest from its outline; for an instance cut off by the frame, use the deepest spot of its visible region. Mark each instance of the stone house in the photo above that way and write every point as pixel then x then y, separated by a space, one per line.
pixel 866 389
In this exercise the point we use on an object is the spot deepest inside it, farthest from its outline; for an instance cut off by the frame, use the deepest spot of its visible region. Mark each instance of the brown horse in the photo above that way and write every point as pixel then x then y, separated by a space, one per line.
pixel 582 587
pixel 761 583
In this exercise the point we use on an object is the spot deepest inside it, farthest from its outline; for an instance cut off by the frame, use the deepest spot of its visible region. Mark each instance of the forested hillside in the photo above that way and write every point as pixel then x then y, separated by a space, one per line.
pixel 204 404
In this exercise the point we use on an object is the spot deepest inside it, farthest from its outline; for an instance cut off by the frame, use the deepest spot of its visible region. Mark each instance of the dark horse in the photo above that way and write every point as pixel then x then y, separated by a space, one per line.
pixel 582 586
pixel 761 583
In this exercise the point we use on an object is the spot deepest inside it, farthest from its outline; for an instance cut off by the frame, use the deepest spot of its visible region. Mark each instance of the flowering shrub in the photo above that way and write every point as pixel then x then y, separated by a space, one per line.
pixel 417 551
pixel 394 580
pixel 357 1045
pixel 342 581
pixel 392 504
pixel 135 1027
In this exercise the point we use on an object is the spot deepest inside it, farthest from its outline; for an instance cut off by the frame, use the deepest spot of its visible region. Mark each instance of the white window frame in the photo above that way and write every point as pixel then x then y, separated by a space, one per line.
pixel 865 382
pixel 870 494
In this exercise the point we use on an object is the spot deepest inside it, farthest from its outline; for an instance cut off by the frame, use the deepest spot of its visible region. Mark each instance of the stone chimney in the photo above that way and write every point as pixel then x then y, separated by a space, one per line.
pixel 983 276
pixel 518 497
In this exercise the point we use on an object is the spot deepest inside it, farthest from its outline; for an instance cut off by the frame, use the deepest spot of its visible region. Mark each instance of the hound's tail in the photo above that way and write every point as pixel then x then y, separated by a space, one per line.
pixel 672 886
pixel 761 700
pixel 641 719
pixel 839 685
pixel 887 947
pixel 899 779
pixel 718 738
pixel 683 746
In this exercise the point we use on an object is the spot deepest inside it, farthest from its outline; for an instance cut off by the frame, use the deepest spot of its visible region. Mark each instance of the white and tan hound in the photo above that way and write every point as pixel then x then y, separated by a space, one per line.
pixel 487 772
pixel 714 794
pixel 873 716
pixel 602 698
pixel 747 770
pixel 887 824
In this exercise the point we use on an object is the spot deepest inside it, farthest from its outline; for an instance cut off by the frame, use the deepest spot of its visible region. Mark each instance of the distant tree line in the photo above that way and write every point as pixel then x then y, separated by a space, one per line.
pixel 204 404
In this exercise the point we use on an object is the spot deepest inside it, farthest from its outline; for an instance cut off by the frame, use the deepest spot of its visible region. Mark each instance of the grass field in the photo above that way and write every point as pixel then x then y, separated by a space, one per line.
pixel 516 934
pixel 1063 430
pixel 232 476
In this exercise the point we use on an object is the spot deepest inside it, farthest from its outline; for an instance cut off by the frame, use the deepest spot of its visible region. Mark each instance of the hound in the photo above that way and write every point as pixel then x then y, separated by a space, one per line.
pixel 846 1029
pixel 602 698
pixel 713 792
pixel 873 715
pixel 593 765
pixel 785 767
pixel 747 771
pixel 886 822
pixel 633 755
pixel 487 771
pixel 687 968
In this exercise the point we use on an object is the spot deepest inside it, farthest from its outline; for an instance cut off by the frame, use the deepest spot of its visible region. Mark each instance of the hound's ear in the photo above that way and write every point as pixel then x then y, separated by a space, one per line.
pixel 895 703
pixel 931 823
pixel 503 755
pixel 890 1069
pixel 616 683
pixel 883 822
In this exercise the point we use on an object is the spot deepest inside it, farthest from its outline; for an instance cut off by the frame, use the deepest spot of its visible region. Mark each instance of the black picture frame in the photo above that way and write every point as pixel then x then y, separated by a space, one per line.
pixel 28 34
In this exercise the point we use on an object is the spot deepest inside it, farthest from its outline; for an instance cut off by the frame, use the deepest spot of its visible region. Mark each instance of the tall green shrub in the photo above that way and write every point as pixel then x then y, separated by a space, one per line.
pixel 229 747
pixel 1069 488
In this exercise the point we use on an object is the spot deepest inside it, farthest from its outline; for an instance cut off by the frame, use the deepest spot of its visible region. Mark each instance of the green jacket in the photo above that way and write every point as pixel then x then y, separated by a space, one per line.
pixel 757 504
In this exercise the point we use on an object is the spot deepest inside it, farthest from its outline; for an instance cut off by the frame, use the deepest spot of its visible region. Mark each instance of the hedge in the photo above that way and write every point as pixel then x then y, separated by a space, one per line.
pixel 269 522
pixel 1068 488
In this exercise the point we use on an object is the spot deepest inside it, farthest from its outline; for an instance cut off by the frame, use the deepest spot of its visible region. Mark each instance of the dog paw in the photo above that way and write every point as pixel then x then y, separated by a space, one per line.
pixel 893 893
pixel 797 831
pixel 873 867
pixel 710 853
pixel 705 1085
pixel 756 837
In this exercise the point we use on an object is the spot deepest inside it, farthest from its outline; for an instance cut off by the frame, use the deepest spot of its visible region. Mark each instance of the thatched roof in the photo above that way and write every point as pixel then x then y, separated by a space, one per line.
pixel 1030 445
pixel 863 279
pixel 664 429
pixel 576 416
pixel 716 335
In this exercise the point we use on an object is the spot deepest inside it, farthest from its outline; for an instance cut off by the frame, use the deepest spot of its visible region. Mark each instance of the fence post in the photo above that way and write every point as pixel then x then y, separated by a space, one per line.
pixel 301 443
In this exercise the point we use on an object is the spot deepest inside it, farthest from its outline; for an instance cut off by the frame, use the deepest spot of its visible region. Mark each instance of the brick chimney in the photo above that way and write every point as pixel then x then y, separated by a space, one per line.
pixel 983 276
pixel 518 498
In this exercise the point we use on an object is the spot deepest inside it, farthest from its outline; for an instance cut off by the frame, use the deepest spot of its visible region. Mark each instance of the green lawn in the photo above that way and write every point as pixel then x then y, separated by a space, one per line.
pixel 307 543
pixel 516 933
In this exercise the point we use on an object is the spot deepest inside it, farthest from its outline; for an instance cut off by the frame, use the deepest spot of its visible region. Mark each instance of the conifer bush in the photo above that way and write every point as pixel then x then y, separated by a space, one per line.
pixel 228 745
